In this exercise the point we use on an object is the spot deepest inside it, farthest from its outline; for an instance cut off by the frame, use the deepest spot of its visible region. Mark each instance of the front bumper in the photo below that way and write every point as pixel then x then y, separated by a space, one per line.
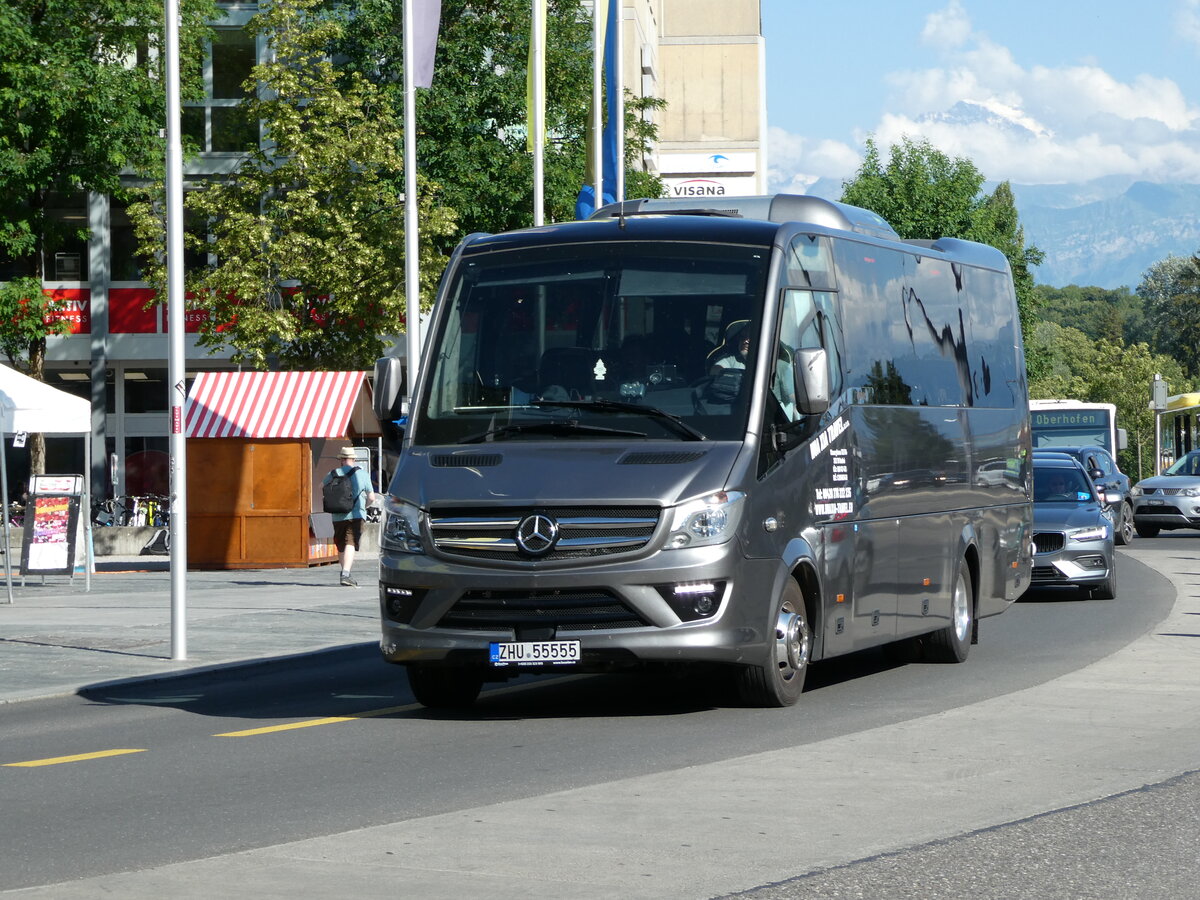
pixel 427 607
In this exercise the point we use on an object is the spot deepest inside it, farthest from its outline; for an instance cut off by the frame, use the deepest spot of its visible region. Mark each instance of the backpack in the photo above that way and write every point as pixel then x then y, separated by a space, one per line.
pixel 338 494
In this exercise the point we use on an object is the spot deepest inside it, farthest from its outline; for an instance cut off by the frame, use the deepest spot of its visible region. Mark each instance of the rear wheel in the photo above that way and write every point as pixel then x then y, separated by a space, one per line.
pixel 445 687
pixel 1146 531
pixel 779 680
pixel 952 643
pixel 1123 533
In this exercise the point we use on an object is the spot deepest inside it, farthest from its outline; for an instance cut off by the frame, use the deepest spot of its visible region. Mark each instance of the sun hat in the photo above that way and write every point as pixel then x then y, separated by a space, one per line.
pixel 347 453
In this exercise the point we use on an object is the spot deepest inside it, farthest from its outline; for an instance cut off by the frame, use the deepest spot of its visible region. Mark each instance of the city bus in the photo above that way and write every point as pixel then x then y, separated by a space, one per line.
pixel 1073 423
pixel 744 438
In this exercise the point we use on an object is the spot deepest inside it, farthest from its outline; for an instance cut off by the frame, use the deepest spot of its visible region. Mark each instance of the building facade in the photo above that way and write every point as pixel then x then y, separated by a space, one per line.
pixel 704 57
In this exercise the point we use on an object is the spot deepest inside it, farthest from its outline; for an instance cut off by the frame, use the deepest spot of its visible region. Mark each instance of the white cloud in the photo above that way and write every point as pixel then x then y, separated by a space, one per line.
pixel 795 162
pixel 1188 21
pixel 1030 125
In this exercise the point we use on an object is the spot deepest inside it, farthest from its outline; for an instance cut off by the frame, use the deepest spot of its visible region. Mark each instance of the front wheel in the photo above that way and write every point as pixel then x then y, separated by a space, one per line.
pixel 1123 533
pixel 952 643
pixel 445 687
pixel 779 680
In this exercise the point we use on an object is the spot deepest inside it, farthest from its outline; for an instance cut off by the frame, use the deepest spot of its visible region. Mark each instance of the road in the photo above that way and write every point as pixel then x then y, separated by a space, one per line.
pixel 199 768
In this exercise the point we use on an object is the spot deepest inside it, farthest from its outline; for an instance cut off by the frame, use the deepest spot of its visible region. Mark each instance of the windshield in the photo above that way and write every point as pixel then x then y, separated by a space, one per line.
pixel 1188 464
pixel 635 341
pixel 1061 485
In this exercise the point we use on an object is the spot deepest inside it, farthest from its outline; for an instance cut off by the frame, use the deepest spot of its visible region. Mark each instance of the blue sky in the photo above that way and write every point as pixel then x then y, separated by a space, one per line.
pixel 1062 90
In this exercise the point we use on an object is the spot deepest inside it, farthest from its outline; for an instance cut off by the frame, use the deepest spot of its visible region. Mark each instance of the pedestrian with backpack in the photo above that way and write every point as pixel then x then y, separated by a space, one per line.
pixel 346 492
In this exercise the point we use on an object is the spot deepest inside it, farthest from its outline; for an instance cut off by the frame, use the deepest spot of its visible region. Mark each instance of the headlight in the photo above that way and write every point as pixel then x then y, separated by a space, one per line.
pixel 401 529
pixel 1091 533
pixel 1190 492
pixel 706 520
pixel 1135 491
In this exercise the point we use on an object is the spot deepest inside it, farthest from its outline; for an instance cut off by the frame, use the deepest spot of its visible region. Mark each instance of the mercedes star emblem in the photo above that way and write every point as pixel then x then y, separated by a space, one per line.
pixel 537 533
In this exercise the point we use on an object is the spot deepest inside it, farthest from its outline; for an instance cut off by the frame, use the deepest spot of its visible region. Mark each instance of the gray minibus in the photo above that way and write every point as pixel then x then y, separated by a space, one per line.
pixel 754 435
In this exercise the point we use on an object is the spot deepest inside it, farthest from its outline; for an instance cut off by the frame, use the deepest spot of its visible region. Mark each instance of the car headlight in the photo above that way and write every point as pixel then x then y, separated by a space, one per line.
pixel 706 520
pixel 401 527
pixel 1091 533
pixel 1190 492
pixel 1135 491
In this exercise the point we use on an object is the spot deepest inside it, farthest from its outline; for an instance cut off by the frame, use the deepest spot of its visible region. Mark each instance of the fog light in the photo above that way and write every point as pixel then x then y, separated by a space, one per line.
pixel 694 600
pixel 1092 562
pixel 400 604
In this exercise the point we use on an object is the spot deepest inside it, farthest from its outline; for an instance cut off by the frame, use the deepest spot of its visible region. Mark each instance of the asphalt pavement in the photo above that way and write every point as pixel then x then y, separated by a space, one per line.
pixel 58 637
pixel 1108 752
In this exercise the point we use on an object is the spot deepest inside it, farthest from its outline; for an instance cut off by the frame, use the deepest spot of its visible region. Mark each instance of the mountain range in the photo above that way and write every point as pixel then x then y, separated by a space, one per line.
pixel 1106 232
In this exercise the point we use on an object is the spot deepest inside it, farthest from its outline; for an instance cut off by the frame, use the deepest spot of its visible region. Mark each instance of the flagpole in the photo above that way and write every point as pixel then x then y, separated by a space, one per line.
pixel 617 86
pixel 412 273
pixel 598 23
pixel 537 122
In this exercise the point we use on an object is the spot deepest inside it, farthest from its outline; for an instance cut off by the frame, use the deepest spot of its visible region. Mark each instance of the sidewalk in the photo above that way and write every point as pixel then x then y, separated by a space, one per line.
pixel 57 637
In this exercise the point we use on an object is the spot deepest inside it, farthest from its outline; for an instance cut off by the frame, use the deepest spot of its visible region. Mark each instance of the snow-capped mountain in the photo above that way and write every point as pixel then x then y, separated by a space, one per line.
pixel 1105 232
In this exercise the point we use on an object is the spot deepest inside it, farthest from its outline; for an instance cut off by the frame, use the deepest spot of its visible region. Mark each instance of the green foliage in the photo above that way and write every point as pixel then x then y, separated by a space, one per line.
pixel 80 101
pixel 1103 371
pixel 1171 292
pixel 924 194
pixel 472 122
pixel 1116 315
pixel 26 317
pixel 309 233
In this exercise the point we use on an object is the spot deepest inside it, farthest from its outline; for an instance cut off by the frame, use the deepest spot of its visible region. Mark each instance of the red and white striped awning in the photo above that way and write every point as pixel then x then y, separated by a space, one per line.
pixel 272 404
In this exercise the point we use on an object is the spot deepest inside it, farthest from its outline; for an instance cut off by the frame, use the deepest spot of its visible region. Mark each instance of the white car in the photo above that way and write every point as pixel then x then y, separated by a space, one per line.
pixel 1170 500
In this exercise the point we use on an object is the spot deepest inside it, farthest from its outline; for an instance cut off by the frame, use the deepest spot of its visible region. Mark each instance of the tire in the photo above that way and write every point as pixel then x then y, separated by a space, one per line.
pixel 1146 531
pixel 445 687
pixel 952 643
pixel 1123 533
pixel 779 680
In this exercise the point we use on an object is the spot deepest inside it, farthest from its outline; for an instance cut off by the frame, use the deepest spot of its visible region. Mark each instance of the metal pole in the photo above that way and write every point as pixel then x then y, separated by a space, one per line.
pixel 412 272
pixel 618 86
pixel 7 538
pixel 598 22
pixel 176 384
pixel 538 117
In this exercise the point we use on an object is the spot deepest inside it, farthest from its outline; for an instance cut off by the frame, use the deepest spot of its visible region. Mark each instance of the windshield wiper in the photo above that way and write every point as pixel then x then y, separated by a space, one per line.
pixel 676 424
pixel 558 427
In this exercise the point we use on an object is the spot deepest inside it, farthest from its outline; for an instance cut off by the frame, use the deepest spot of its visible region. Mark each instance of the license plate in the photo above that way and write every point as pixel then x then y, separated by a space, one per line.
pixel 534 653
pixel 1154 501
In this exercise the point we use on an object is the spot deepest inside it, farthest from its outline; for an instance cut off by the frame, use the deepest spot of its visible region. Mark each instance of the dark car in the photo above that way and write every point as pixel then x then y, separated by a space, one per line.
pixel 1170 500
pixel 1072 529
pixel 1102 469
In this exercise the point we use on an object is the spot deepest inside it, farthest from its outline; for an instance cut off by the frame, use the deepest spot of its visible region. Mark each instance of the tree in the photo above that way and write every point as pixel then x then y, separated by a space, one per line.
pixel 308 233
pixel 1171 291
pixel 1102 371
pixel 81 101
pixel 924 194
pixel 472 123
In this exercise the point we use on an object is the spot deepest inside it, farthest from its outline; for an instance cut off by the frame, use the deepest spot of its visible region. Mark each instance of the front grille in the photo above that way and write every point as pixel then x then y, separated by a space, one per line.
pixel 1047 573
pixel 1048 541
pixel 576 609
pixel 584 532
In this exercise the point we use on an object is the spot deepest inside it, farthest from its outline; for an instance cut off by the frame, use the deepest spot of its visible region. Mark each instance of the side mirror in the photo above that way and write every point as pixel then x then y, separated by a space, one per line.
pixel 388 400
pixel 811 374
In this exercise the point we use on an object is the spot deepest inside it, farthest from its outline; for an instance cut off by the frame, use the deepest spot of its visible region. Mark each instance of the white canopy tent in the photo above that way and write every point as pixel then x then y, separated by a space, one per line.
pixel 29 406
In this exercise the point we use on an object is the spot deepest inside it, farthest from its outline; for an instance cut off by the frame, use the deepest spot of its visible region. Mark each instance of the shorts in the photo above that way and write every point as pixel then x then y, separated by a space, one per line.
pixel 347 531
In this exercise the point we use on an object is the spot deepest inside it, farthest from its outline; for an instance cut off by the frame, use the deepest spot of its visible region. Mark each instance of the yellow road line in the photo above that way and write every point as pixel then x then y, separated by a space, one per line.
pixel 309 723
pixel 78 757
